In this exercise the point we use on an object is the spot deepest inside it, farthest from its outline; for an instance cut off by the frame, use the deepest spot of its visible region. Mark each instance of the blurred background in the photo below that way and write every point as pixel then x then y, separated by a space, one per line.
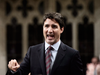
pixel 21 26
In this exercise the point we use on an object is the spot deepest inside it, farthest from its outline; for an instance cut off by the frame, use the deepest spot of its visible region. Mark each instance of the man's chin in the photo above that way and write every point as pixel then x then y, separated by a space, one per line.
pixel 50 42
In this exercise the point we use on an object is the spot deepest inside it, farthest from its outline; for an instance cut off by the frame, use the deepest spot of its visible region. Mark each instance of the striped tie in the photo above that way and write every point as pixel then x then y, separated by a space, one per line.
pixel 48 59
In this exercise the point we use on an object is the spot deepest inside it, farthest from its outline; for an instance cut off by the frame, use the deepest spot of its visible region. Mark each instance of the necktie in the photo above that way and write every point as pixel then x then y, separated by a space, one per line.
pixel 48 59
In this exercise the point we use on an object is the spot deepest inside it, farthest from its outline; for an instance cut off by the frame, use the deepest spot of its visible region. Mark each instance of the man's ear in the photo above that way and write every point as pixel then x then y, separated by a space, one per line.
pixel 62 29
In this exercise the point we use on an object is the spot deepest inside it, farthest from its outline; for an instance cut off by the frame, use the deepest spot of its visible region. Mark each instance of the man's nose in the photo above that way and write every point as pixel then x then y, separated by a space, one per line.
pixel 50 29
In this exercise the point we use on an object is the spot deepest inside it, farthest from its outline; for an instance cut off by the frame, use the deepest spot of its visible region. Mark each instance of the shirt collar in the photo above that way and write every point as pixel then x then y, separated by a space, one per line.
pixel 55 46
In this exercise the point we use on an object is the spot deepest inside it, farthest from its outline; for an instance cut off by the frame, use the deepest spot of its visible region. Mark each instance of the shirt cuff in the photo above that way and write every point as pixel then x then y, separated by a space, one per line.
pixel 12 71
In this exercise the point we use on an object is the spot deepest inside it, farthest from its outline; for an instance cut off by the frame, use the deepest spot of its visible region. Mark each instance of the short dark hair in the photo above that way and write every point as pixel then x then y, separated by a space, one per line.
pixel 56 16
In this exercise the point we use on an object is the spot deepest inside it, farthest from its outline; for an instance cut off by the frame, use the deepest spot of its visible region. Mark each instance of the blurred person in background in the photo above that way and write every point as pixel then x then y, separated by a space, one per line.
pixel 95 61
pixel 91 67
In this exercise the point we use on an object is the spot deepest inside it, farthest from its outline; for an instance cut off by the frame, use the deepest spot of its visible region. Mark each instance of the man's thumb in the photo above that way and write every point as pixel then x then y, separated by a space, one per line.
pixel 17 66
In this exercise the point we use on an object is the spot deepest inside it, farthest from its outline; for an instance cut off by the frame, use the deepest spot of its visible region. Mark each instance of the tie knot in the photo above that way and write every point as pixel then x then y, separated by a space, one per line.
pixel 50 48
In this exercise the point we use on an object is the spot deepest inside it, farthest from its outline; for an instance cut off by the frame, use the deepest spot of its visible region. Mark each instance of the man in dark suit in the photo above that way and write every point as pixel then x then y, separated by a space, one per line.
pixel 64 60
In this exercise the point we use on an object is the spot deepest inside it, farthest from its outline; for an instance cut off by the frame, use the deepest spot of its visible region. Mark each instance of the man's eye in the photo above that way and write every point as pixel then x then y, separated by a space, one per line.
pixel 46 25
pixel 54 26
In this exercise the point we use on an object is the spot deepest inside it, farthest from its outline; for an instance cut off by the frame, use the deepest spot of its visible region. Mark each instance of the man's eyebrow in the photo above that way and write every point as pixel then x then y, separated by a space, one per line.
pixel 46 24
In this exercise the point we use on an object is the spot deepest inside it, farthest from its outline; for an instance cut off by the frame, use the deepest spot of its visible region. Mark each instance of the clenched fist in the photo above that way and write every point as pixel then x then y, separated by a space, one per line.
pixel 13 65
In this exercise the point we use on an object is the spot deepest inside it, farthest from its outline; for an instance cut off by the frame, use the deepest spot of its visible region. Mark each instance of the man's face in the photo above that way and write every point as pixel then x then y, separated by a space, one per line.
pixel 51 31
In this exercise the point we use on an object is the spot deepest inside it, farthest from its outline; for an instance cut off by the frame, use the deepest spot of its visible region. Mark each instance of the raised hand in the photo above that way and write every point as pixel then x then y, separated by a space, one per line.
pixel 13 65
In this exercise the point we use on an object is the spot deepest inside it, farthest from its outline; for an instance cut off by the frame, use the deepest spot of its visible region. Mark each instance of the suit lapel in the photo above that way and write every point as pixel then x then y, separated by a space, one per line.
pixel 59 57
pixel 42 58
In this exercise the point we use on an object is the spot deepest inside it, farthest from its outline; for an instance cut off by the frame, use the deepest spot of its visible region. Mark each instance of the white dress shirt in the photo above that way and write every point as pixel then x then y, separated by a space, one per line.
pixel 54 52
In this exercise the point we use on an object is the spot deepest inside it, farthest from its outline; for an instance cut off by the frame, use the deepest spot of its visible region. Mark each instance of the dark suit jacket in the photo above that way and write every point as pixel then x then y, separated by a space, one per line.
pixel 67 62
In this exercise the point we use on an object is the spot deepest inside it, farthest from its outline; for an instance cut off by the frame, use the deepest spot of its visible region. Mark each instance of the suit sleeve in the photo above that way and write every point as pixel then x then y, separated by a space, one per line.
pixel 76 65
pixel 24 66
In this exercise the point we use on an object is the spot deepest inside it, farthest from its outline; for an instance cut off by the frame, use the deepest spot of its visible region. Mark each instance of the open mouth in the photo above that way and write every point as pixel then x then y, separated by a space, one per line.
pixel 50 36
